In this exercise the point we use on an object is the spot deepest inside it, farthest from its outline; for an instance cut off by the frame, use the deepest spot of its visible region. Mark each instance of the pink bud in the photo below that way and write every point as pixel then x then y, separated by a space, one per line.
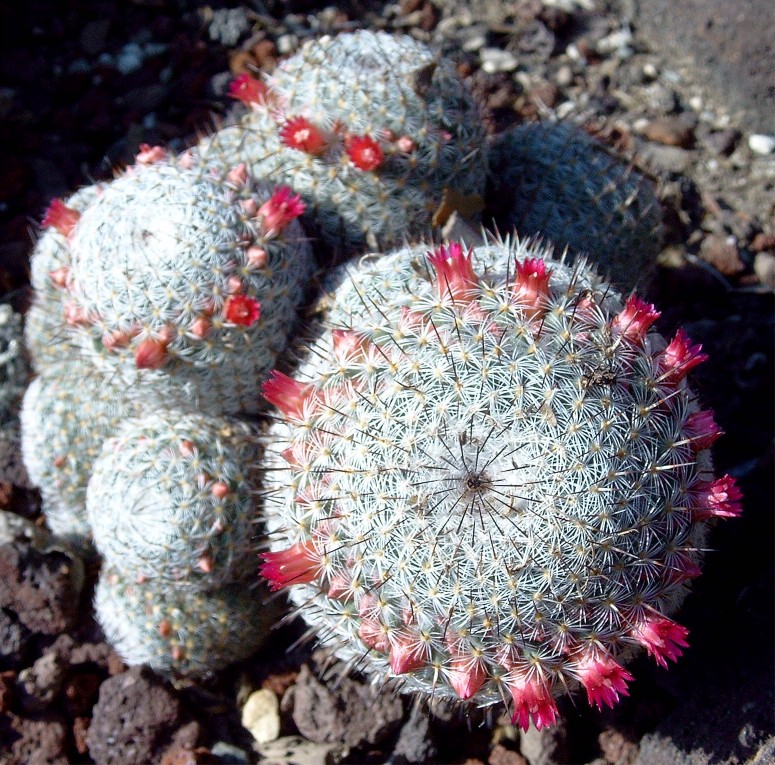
pixel 148 154
pixel 406 144
pixel 75 315
pixel 186 448
pixel 150 354
pixel 257 257
pixel 219 490
pixel 279 210
pixel 455 276
pixel 233 284
pixel 406 653
pixel 59 277
pixel 238 176
pixel 373 635
pixel 61 217
pixel 200 327
pixel 466 674
pixel 249 206
pixel 531 286
pixel 680 357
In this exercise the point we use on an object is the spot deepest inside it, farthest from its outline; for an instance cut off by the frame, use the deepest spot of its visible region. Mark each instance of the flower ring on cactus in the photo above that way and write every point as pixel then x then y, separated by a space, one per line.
pixel 489 479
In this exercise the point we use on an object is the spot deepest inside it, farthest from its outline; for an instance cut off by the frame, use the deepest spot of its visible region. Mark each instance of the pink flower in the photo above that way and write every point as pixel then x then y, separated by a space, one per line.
pixel 719 499
pixel 364 152
pixel 701 429
pixel 279 210
pixel 532 701
pixel 371 632
pixel 287 394
pixel 531 286
pixel 61 217
pixel 455 275
pixel 636 318
pixel 149 154
pixel 603 678
pixel 661 637
pixel 248 89
pixel 299 564
pixel 299 133
pixel 680 357
pixel 241 309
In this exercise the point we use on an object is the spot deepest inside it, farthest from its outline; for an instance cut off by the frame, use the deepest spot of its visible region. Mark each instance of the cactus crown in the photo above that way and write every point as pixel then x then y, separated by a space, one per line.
pixel 492 486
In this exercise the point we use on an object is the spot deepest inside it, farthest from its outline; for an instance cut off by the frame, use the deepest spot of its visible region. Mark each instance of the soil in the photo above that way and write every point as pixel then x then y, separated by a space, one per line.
pixel 83 84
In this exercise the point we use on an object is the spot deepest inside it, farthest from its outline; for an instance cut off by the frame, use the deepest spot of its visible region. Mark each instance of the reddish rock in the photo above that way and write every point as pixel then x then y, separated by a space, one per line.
pixel 670 131
pixel 38 587
pixel 616 748
pixel 80 730
pixel 38 741
pixel 80 692
pixel 762 242
pixel 133 719
pixel 7 680
pixel 722 253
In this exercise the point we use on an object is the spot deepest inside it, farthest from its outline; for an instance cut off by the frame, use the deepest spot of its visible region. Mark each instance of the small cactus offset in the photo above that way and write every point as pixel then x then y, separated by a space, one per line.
pixel 554 181
pixel 171 498
pixel 67 413
pixel 14 376
pixel 494 487
pixel 185 284
pixel 180 633
pixel 46 332
pixel 373 131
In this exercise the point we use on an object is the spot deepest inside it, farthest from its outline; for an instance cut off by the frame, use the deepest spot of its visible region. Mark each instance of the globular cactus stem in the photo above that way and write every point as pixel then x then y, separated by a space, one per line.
pixel 374 131
pixel 494 483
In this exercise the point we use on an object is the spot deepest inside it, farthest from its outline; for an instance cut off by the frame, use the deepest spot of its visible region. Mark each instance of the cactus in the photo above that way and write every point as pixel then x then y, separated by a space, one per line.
pixel 182 284
pixel 46 332
pixel 178 632
pixel 67 413
pixel 373 131
pixel 553 180
pixel 494 487
pixel 171 498
pixel 14 376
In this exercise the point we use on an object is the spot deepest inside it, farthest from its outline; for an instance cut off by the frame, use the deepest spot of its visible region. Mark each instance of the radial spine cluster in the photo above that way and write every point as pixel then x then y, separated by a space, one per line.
pixel 492 482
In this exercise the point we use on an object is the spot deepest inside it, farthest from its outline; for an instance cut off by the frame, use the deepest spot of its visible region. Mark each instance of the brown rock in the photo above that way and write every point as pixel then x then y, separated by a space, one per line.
pixel 38 685
pixel 764 268
pixel 429 16
pixel 617 749
pixel 132 720
pixel 722 253
pixel 265 54
pixel 324 714
pixel 545 94
pixel 279 682
pixel 80 729
pixel 763 242
pixel 201 755
pixel 670 131
pixel 38 586
pixel 38 741
pixel 502 756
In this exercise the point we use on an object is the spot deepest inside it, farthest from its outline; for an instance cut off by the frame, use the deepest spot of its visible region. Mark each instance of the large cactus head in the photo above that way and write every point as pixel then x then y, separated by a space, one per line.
pixel 188 275
pixel 373 131
pixel 555 181
pixel 493 484
pixel 171 498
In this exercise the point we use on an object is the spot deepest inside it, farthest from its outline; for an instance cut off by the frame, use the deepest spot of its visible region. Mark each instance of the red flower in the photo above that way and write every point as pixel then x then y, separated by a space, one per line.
pixel 287 394
pixel 298 564
pixel 532 701
pixel 680 356
pixel 364 152
pixel 720 499
pixel 279 210
pixel 662 638
pixel 299 133
pixel 701 429
pixel 604 679
pixel 241 309
pixel 455 275
pixel 248 89
pixel 636 318
pixel 61 217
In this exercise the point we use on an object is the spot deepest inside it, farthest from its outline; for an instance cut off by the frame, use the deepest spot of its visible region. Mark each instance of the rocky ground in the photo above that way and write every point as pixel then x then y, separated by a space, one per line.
pixel 82 85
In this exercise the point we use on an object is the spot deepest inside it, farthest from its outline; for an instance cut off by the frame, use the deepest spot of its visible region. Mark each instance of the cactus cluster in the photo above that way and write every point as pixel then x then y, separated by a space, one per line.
pixel 490 480
pixel 555 181
pixel 491 483
pixel 373 131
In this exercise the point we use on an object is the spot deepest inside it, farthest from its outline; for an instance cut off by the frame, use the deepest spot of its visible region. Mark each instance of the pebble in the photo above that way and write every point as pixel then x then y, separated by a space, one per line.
pixel 721 141
pixel 672 159
pixel 497 60
pixel 670 131
pixel 129 59
pixel 722 253
pixel 287 44
pixel 261 716
pixel 228 753
pixel 764 268
pixel 564 76
pixel 761 144
pixel 295 750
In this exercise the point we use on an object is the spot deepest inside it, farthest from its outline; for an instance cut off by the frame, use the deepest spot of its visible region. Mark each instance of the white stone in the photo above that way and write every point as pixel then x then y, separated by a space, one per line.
pixel 761 144
pixel 497 60
pixel 261 716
